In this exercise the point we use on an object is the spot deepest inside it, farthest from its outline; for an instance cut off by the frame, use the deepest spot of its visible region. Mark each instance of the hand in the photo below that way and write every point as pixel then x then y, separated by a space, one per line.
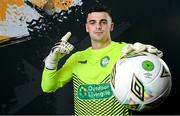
pixel 58 51
pixel 139 47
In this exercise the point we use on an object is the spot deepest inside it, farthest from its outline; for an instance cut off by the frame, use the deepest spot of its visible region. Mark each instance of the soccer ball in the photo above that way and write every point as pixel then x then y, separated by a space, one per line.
pixel 141 81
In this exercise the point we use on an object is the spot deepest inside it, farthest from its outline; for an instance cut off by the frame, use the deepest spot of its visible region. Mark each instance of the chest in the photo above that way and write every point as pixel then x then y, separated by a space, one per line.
pixel 94 70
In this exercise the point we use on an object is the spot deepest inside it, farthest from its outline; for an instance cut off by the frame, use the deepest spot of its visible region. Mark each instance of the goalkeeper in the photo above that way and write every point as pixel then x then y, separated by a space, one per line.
pixel 90 69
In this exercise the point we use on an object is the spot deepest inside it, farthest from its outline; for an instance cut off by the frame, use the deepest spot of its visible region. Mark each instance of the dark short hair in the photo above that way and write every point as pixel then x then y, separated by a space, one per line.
pixel 99 8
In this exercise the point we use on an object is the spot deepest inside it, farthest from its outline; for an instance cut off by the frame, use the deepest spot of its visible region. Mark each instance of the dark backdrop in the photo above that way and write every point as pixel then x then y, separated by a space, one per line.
pixel 156 22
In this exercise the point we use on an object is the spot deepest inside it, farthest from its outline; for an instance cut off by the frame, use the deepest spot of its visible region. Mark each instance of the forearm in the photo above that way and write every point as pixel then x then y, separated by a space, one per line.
pixel 49 81
pixel 54 79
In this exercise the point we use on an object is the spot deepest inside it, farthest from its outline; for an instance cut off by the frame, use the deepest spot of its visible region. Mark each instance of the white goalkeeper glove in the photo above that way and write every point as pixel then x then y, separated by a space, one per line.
pixel 58 51
pixel 139 47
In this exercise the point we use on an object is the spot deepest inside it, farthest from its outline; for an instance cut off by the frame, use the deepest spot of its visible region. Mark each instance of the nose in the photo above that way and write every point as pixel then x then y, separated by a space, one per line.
pixel 98 26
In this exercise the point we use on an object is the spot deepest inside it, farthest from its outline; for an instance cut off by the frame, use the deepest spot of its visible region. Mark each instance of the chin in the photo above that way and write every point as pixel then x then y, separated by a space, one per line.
pixel 98 39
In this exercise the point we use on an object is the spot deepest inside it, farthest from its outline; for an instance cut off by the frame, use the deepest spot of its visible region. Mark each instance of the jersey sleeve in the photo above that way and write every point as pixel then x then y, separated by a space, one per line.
pixel 54 79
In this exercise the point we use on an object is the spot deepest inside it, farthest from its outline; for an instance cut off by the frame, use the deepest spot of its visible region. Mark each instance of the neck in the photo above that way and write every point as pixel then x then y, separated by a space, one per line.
pixel 100 44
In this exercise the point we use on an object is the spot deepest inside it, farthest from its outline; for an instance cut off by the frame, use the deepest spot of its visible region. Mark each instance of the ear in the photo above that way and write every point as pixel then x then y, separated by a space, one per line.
pixel 86 28
pixel 112 26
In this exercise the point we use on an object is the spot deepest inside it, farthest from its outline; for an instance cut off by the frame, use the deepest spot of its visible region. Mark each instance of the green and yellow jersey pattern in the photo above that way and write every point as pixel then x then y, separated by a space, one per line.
pixel 90 70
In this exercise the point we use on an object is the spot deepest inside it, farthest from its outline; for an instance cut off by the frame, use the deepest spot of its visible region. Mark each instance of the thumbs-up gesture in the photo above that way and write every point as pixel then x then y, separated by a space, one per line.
pixel 58 51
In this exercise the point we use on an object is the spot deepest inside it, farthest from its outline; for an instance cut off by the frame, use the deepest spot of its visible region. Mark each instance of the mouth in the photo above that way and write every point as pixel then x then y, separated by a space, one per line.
pixel 98 33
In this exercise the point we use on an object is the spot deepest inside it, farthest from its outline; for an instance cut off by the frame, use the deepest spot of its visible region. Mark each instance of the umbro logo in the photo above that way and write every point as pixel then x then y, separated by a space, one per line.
pixel 82 62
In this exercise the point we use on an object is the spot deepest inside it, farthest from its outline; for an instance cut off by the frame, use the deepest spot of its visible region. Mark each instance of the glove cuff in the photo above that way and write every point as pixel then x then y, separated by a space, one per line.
pixel 51 61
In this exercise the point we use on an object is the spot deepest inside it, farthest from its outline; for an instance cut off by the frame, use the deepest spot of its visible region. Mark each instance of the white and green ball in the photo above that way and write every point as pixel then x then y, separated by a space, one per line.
pixel 141 81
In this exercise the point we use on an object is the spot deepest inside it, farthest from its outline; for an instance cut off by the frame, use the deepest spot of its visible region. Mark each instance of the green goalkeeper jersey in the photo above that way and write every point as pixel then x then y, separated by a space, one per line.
pixel 90 70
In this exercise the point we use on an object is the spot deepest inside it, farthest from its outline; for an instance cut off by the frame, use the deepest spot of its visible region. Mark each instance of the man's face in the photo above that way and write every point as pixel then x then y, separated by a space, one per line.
pixel 99 25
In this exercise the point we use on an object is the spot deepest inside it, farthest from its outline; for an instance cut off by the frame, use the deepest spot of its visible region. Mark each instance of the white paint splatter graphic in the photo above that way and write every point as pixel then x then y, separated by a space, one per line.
pixel 16 17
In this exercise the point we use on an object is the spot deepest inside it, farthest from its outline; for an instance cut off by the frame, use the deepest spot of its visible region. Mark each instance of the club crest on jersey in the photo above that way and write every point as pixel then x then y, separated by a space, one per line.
pixel 105 61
